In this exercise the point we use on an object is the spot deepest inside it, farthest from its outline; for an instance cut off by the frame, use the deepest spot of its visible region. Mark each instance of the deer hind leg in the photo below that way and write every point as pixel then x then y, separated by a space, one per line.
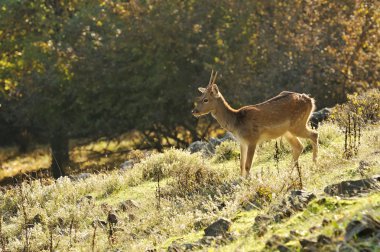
pixel 312 135
pixel 296 145
pixel 243 157
pixel 248 162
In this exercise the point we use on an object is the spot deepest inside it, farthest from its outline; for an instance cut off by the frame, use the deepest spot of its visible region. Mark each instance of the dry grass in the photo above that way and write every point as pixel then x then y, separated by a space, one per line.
pixel 194 192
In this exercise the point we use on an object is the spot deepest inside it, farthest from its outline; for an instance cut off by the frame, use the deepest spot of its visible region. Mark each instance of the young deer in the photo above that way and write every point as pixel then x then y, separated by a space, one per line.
pixel 285 115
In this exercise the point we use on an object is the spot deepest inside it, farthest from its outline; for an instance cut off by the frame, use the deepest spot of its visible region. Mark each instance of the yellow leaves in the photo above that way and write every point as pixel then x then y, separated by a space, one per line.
pixel 220 42
pixel 197 28
pixel 9 84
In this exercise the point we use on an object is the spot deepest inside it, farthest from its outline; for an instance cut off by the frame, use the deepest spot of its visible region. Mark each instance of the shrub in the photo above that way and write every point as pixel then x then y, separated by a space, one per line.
pixel 227 150
pixel 363 107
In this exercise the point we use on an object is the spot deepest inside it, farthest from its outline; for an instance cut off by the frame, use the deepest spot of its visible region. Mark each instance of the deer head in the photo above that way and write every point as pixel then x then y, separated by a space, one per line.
pixel 206 103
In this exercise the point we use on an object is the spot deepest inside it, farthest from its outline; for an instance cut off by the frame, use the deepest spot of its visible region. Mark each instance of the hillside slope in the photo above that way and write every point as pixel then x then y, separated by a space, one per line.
pixel 166 201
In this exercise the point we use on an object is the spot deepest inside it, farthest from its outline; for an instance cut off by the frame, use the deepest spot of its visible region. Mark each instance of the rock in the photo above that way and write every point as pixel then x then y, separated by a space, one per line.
pixel 319 116
pixel 294 233
pixel 314 228
pixel 81 176
pixel 112 217
pixel 105 207
pixel 218 228
pixel 344 247
pixel 274 241
pixel 325 222
pixel 132 217
pixel 191 246
pixel 174 247
pixel 37 219
pixel 354 187
pixel 129 205
pixel 305 243
pixel 261 231
pixel 298 199
pixel 262 219
pixel 228 137
pixel 207 240
pixel 323 239
pixel 207 149
pixel 362 229
pixel 99 223
pixel 283 248
pixel 221 206
pixel 126 165
pixel 215 141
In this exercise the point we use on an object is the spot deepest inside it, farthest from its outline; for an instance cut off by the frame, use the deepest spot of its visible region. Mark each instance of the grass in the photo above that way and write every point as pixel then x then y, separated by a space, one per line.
pixel 194 192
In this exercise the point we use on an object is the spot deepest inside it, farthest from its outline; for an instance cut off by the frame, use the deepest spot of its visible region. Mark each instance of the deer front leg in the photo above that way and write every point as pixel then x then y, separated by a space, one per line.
pixel 248 162
pixel 243 156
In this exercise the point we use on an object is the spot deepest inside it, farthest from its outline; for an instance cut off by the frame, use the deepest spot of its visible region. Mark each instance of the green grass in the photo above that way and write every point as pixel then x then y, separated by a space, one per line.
pixel 193 191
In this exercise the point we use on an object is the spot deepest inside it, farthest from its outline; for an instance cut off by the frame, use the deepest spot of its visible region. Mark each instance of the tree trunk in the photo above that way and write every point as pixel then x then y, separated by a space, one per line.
pixel 60 159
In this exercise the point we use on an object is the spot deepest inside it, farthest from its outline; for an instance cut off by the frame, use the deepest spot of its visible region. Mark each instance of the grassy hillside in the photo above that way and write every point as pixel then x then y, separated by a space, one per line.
pixel 168 199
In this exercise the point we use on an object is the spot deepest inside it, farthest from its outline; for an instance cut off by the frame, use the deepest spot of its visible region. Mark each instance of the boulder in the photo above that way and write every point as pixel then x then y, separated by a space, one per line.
pixel 112 217
pixel 228 137
pixel 319 116
pixel 296 201
pixel 126 165
pixel 354 187
pixel 128 205
pixel 323 239
pixel 218 228
pixel 362 229
pixel 205 148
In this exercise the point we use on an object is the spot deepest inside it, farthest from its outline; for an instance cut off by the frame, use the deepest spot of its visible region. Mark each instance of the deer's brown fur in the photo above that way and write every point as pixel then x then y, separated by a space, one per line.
pixel 285 115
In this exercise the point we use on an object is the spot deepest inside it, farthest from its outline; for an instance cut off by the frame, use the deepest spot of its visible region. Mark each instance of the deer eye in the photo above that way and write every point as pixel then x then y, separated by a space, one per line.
pixel 205 100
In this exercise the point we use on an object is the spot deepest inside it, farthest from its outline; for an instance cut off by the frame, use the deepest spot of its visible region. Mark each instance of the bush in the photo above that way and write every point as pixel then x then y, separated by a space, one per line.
pixel 186 173
pixel 361 107
pixel 227 150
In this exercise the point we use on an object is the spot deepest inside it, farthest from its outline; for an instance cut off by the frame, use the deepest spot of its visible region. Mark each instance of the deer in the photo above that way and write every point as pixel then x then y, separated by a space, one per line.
pixel 285 115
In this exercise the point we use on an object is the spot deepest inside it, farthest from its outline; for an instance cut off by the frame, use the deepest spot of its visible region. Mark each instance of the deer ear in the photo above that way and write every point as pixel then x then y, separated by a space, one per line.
pixel 202 90
pixel 215 91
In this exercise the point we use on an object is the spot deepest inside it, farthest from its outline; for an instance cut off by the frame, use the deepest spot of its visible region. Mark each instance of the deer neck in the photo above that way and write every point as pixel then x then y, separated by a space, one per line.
pixel 225 115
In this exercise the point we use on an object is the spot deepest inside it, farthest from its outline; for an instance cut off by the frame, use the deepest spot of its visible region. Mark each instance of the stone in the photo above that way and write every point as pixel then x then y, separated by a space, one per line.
pixel 218 228
pixel 362 229
pixel 228 137
pixel 79 177
pixel 129 205
pixel 319 116
pixel 174 247
pixel 262 219
pixel 307 243
pixel 283 248
pixel 99 223
pixel 352 188
pixel 325 222
pixel 275 240
pixel 298 199
pixel 215 141
pixel 126 165
pixel 37 219
pixel 112 217
pixel 207 149
pixel 132 217
pixel 323 239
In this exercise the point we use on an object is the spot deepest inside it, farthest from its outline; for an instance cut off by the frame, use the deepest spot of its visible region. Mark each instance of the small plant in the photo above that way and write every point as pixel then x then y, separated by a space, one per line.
pixel 227 150
pixel 353 115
